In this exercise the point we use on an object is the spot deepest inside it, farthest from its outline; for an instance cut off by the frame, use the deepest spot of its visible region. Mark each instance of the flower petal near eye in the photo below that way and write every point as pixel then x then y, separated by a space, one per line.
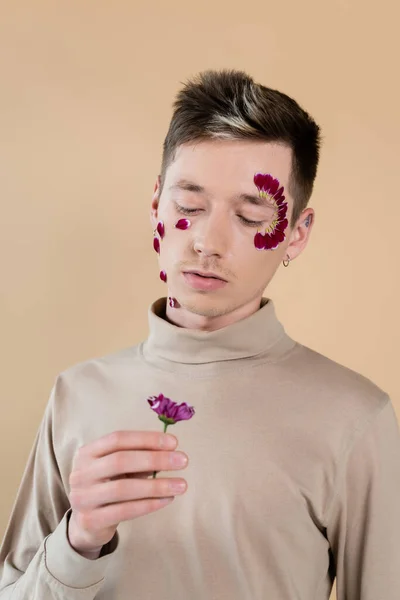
pixel 183 224
pixel 163 276
pixel 259 241
pixel 269 188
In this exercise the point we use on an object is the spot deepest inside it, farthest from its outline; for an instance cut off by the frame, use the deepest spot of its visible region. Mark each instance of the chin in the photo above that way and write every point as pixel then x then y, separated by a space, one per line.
pixel 208 306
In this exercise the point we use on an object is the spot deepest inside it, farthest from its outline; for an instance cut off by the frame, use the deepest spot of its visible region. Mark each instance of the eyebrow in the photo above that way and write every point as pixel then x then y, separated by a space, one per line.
pixel 189 186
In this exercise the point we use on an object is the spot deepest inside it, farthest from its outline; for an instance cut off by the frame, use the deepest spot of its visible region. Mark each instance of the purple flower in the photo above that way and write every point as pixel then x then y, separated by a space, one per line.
pixel 274 234
pixel 183 224
pixel 170 412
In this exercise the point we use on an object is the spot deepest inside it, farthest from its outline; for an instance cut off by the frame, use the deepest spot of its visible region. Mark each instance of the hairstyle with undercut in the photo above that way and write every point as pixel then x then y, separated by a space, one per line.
pixel 228 104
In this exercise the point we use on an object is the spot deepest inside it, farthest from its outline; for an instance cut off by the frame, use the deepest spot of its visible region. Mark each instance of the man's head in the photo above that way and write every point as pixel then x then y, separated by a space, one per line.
pixel 225 129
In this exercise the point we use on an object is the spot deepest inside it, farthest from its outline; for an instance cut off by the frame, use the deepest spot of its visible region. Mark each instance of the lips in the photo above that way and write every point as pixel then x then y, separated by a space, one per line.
pixel 206 275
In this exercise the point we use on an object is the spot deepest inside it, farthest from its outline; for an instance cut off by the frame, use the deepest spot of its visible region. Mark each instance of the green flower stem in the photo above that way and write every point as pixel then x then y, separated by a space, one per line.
pixel 165 429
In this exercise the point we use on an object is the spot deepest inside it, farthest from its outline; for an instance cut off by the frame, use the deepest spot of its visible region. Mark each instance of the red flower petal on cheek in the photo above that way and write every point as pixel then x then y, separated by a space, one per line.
pixel 270 242
pixel 278 236
pixel 283 225
pixel 183 224
pixel 163 276
pixel 282 211
pixel 156 244
pixel 259 241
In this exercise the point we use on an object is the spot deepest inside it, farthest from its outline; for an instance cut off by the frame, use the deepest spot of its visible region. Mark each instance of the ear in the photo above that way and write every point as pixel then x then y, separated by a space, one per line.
pixel 155 202
pixel 301 233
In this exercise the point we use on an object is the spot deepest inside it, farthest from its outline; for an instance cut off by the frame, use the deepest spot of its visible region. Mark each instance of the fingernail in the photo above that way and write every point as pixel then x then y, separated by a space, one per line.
pixel 168 442
pixel 178 459
pixel 177 487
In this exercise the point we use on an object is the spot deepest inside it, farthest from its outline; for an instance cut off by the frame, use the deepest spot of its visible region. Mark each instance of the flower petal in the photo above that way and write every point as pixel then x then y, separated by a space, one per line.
pixel 163 276
pixel 259 241
pixel 183 224
pixel 283 224
pixel 263 181
pixel 161 229
pixel 156 244
pixel 169 410
pixel 273 188
pixel 184 412
pixel 270 243
pixel 282 210
pixel 278 236
pixel 159 403
pixel 173 302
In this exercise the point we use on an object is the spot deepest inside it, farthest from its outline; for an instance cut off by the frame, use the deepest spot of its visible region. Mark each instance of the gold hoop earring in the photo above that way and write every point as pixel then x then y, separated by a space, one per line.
pixel 287 261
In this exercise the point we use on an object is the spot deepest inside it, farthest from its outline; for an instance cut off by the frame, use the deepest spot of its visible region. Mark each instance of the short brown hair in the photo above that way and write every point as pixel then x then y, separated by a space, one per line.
pixel 228 104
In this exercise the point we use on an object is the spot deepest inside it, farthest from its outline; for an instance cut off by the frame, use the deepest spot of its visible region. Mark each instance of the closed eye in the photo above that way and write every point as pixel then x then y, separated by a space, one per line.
pixel 191 211
pixel 251 223
pixel 186 211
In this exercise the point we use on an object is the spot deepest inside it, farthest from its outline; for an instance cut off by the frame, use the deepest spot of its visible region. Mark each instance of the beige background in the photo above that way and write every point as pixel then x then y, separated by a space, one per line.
pixel 85 101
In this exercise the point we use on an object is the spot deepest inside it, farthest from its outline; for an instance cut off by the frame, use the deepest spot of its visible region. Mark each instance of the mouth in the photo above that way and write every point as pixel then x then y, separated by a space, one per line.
pixel 205 275
pixel 204 281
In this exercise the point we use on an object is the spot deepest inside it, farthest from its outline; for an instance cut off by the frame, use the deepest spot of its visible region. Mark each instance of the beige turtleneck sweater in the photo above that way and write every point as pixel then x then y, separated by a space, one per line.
pixel 294 475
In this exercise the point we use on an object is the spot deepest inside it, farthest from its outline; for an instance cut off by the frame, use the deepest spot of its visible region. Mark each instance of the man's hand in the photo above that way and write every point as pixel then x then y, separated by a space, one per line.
pixel 110 483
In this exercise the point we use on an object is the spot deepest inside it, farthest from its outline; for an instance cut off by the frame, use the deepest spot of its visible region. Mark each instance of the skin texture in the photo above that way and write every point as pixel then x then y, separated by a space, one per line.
pixel 217 240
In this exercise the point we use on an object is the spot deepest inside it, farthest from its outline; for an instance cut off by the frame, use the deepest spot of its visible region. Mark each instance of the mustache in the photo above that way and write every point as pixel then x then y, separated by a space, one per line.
pixel 209 266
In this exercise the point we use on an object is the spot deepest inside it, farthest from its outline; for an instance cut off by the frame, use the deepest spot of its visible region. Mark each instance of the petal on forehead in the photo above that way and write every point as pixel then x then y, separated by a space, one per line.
pixel 262 181
pixel 274 185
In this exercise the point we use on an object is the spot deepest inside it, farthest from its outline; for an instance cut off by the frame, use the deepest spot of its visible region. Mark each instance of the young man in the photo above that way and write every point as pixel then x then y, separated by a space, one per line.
pixel 294 472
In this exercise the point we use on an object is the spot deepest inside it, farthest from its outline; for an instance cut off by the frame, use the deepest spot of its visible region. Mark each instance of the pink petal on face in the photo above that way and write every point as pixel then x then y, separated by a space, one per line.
pixel 259 241
pixel 161 229
pixel 283 224
pixel 163 276
pixel 279 194
pixel 273 188
pixel 183 224
pixel 282 210
pixel 270 242
pixel 156 244
pixel 173 302
pixel 278 236
pixel 263 181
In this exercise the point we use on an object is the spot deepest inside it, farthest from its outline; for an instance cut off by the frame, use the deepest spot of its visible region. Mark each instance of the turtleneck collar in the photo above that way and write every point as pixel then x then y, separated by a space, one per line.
pixel 260 333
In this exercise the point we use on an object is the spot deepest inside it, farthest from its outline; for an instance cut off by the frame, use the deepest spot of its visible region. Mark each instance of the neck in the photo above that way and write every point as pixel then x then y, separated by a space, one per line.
pixel 186 318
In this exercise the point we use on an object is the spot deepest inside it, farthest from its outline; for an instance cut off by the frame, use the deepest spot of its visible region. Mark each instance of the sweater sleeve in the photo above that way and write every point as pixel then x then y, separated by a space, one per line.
pixel 363 521
pixel 37 561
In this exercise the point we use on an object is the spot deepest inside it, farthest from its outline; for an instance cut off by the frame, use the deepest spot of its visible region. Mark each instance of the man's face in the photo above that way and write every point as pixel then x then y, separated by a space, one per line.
pixel 207 184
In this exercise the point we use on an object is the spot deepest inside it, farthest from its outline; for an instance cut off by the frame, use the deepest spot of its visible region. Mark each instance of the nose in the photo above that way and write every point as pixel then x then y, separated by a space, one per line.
pixel 212 237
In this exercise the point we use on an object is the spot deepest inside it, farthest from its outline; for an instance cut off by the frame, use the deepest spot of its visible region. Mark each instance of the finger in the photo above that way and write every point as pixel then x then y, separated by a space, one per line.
pixel 124 490
pixel 113 514
pixel 128 440
pixel 122 463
